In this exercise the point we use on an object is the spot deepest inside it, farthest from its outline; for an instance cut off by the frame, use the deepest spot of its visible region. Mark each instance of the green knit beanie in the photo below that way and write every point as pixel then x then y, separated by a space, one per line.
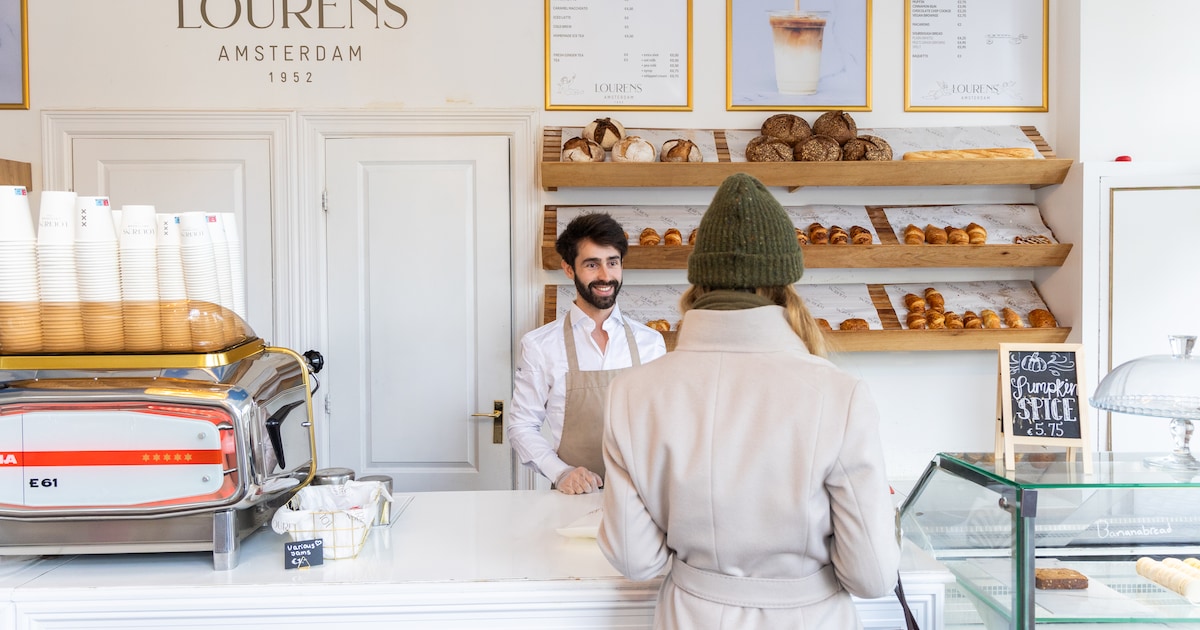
pixel 745 240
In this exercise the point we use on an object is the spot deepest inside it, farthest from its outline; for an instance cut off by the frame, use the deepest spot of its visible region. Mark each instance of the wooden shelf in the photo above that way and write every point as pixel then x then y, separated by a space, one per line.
pixel 889 254
pixel 893 338
pixel 16 174
pixel 1035 173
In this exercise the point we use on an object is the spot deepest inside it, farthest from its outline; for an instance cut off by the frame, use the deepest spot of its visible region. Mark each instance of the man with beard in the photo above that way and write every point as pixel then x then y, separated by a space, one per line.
pixel 565 366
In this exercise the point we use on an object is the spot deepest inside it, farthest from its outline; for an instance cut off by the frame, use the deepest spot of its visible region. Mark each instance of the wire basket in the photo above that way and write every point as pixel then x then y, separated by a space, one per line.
pixel 342 532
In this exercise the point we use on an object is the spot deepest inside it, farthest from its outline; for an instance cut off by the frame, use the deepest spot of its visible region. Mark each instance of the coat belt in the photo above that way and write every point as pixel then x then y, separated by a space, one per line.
pixel 751 592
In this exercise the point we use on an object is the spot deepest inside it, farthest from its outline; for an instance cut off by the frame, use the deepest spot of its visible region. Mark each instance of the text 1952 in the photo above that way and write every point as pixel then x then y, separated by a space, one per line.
pixel 291 77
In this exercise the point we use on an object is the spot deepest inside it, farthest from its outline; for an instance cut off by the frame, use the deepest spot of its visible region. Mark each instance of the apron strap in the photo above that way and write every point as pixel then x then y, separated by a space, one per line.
pixel 569 342
pixel 748 592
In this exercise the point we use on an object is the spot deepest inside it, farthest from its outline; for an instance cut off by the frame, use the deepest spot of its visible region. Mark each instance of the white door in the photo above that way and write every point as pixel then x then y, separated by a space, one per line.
pixel 419 295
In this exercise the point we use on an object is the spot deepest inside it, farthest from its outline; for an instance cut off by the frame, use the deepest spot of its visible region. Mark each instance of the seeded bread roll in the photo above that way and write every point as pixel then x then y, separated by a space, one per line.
pixel 768 149
pixel 836 124
pixel 819 148
pixel 582 150
pixel 872 148
pixel 787 127
pixel 633 149
pixel 680 150
pixel 604 131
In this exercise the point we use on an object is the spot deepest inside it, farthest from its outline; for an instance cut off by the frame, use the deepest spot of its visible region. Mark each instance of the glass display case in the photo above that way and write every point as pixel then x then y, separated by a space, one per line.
pixel 992 528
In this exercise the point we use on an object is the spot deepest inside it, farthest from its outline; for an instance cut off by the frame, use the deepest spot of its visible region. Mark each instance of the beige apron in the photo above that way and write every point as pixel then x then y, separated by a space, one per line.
pixel 583 414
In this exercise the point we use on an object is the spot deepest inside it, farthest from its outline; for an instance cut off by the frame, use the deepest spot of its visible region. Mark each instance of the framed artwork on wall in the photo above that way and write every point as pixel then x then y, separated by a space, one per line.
pixel 14 54
pixel 798 54
pixel 979 56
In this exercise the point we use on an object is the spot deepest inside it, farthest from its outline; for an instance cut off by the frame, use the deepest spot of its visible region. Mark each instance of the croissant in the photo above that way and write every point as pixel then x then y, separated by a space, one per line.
pixel 956 236
pixel 838 236
pixel 649 237
pixel 672 237
pixel 801 237
pixel 692 238
pixel 913 235
pixel 854 323
pixel 990 318
pixel 1011 318
pixel 1041 318
pixel 823 324
pixel 953 320
pixel 860 235
pixel 934 299
pixel 817 234
pixel 976 234
pixel 935 319
pixel 661 325
pixel 935 235
pixel 914 302
pixel 915 321
pixel 971 320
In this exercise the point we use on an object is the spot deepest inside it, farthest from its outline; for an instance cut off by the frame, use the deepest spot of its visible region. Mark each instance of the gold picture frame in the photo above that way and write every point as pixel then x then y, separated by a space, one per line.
pixel 631 55
pixel 981 57
pixel 837 76
pixel 14 54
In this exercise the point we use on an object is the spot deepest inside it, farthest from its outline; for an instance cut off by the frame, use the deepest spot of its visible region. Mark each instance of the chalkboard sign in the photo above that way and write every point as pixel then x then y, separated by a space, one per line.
pixel 1042 399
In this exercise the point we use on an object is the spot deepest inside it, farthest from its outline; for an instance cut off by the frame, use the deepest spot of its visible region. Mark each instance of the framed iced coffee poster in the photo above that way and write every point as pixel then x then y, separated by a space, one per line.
pixel 618 54
pixel 14 55
pixel 976 56
pixel 798 54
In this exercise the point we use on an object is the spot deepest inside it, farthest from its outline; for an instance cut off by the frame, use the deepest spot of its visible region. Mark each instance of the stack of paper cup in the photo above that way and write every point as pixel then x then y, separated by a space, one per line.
pixel 237 269
pixel 216 234
pixel 98 270
pixel 138 240
pixel 58 288
pixel 199 276
pixel 20 322
pixel 172 289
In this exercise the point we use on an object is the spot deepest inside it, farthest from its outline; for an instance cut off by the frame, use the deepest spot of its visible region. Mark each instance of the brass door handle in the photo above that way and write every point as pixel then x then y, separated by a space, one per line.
pixel 497 416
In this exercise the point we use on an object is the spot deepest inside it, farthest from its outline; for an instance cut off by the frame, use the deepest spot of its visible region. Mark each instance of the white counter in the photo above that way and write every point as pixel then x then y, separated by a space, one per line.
pixel 450 560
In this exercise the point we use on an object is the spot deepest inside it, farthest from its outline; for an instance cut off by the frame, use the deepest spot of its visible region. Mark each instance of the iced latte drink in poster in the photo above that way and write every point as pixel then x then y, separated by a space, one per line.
pixel 798 37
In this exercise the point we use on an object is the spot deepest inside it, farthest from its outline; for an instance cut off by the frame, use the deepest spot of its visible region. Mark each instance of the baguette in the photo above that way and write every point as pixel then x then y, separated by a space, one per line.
pixel 972 154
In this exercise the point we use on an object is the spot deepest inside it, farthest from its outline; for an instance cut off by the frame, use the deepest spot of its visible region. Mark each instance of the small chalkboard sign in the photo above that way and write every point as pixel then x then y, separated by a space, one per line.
pixel 1042 399
pixel 302 554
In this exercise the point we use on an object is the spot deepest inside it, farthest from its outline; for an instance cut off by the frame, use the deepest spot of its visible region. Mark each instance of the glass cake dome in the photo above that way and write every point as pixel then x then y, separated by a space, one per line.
pixel 1162 386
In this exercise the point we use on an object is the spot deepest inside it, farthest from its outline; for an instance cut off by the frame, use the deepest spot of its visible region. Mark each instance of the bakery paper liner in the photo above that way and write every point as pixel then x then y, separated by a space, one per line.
pixel 634 219
pixel 1003 222
pixel 836 303
pixel 1019 295
pixel 905 139
pixel 704 139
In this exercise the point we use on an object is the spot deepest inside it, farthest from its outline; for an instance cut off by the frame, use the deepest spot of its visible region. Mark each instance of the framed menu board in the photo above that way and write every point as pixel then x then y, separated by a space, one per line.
pixel 619 54
pixel 1042 399
pixel 977 56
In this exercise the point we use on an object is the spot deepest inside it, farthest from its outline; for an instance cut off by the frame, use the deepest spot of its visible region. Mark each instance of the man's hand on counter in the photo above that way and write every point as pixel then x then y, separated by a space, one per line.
pixel 579 480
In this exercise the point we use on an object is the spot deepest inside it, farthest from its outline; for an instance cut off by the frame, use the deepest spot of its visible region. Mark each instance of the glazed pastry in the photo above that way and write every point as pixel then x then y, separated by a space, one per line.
pixel 976 234
pixel 1041 318
pixel 990 318
pixel 801 237
pixel 604 132
pixel 819 148
pixel 817 234
pixel 633 149
pixel 934 300
pixel 913 235
pixel 935 235
pixel 915 321
pixel 838 236
pixel 661 325
pixel 836 124
pixel 914 302
pixel 854 323
pixel 971 320
pixel 935 319
pixel 953 320
pixel 768 149
pixel 680 150
pixel 649 238
pixel 956 236
pixel 860 235
pixel 582 150
pixel 823 324
pixel 787 127
pixel 672 237
pixel 1011 318
pixel 692 238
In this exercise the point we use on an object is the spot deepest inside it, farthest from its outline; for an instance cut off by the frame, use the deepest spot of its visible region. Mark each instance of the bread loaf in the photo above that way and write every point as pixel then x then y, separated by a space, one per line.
pixel 819 148
pixel 633 149
pixel 836 124
pixel 871 148
pixel 582 150
pixel 680 150
pixel 768 149
pixel 604 132
pixel 972 154
pixel 787 127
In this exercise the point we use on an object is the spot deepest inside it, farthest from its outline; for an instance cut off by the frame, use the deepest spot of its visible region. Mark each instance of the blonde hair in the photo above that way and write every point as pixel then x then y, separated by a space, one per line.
pixel 798 317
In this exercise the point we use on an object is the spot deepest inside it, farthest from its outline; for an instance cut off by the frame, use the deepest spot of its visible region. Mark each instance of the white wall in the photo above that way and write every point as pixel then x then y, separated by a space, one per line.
pixel 1135 98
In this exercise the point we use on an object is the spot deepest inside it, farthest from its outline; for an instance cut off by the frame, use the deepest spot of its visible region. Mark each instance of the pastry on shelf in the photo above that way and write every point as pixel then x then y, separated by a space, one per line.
pixel 819 148
pixel 582 150
pixel 956 236
pixel 935 320
pixel 972 154
pixel 649 238
pixel 680 150
pixel 823 324
pixel 692 238
pixel 854 323
pixel 915 320
pixel 990 318
pixel 935 235
pixel 836 124
pixel 953 320
pixel 976 234
pixel 914 302
pixel 633 149
pixel 661 325
pixel 818 234
pixel 787 127
pixel 1059 579
pixel 1041 318
pixel 860 235
pixel 672 237
pixel 604 131
pixel 801 237
pixel 838 236
pixel 913 235
pixel 971 320
pixel 934 300
pixel 1011 318
pixel 1032 239
pixel 768 149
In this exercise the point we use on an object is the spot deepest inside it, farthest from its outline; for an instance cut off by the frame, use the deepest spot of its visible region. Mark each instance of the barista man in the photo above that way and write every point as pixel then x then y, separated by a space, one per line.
pixel 565 366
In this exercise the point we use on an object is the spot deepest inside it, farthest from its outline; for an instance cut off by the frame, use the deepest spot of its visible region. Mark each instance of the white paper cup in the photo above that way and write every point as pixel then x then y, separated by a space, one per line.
pixel 139 225
pixel 93 220
pixel 16 221
pixel 56 217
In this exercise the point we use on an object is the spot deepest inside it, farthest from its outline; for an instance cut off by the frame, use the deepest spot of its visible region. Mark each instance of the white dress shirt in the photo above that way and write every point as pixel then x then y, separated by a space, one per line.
pixel 539 384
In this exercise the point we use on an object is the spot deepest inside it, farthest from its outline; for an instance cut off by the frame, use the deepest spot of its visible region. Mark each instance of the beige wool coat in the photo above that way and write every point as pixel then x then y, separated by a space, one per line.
pixel 760 467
